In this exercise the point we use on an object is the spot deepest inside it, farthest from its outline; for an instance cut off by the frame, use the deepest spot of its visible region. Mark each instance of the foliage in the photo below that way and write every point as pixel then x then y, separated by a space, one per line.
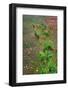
pixel 41 55
pixel 52 66
pixel 45 56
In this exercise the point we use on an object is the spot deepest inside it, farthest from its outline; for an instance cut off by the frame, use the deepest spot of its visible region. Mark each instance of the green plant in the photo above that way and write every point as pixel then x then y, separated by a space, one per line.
pixel 41 55
pixel 45 56
pixel 52 66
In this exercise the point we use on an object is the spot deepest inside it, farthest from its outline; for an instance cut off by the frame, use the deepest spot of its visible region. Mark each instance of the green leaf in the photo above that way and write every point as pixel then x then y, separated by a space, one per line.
pixel 46 33
pixel 38 32
pixel 41 55
pixel 50 54
pixel 48 45
pixel 52 66
pixel 43 69
pixel 43 27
